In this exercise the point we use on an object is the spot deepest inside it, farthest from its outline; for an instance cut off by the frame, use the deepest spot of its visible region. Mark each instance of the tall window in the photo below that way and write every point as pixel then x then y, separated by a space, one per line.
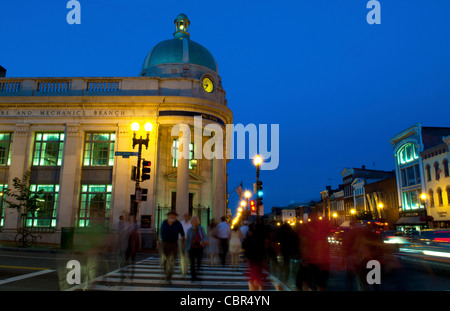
pixel 175 154
pixel 99 149
pixel 428 169
pixel 48 149
pixel 95 205
pixel 5 148
pixel 45 214
pixel 410 175
pixel 2 204
pixel 410 200
pixel 437 171
pixel 407 153
pixel 448 195
pixel 431 195
pixel 446 169
pixel 439 195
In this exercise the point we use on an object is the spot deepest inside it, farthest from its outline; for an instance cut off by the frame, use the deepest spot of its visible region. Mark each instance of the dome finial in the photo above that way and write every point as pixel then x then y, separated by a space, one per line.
pixel 181 26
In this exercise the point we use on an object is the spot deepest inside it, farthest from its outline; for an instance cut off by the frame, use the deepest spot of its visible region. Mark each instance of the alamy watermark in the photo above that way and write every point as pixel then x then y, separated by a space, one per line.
pixel 74 15
pixel 213 148
pixel 374 15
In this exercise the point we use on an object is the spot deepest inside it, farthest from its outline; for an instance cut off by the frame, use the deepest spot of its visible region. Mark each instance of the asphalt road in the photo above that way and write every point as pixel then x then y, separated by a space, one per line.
pixel 33 271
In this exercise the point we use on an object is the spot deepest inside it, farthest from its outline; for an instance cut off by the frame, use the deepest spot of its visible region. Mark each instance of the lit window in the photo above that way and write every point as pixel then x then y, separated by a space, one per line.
pixel 446 169
pixel 175 154
pixel 439 195
pixel 410 200
pixel 431 196
pixel 48 149
pixel 407 153
pixel 5 148
pixel 99 149
pixel 95 204
pixel 45 213
pixel 410 175
pixel 2 204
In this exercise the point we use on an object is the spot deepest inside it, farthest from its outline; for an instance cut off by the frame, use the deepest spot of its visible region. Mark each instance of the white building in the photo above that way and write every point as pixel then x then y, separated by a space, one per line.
pixel 66 132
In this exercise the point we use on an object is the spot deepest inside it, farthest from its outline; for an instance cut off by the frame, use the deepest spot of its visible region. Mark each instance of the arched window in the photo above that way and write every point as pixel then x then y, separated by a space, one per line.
pixel 448 195
pixel 446 171
pixel 428 168
pixel 407 153
pixel 431 196
pixel 439 195
pixel 437 171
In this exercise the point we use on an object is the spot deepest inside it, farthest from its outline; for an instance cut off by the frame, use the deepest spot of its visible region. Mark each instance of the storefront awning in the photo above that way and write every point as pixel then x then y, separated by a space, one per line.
pixel 414 220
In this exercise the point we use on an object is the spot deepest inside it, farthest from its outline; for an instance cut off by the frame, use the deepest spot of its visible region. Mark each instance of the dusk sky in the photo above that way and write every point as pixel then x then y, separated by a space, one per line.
pixel 338 87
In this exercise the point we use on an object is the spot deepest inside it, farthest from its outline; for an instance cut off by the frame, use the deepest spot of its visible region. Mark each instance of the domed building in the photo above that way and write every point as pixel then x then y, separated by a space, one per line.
pixel 75 137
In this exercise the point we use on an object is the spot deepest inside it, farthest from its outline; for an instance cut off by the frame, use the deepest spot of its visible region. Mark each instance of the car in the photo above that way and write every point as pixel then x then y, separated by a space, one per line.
pixel 435 237
pixel 394 237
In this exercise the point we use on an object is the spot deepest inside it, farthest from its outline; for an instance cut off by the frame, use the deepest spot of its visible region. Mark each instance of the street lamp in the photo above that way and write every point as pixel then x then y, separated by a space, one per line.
pixel 352 211
pixel 139 142
pixel 423 197
pixel 258 160
pixel 380 207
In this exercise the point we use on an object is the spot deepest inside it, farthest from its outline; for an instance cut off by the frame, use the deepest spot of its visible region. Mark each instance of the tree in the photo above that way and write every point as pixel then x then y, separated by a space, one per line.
pixel 23 199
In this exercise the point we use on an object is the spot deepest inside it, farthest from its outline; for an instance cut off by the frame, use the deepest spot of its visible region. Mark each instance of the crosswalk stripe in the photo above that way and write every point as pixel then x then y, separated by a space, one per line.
pixel 148 274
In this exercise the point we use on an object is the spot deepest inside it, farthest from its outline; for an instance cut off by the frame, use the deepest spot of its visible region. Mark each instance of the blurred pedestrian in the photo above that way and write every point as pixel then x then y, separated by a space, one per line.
pixel 134 244
pixel 171 228
pixel 195 242
pixel 235 247
pixel 223 234
pixel 315 254
pixel 184 256
pixel 244 229
pixel 255 252
pixel 212 243
pixel 287 246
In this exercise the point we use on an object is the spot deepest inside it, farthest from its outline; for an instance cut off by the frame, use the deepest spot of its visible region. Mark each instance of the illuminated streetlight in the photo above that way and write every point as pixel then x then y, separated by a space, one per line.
pixel 380 205
pixel 423 196
pixel 257 160
pixel 135 126
pixel 243 203
pixel 148 127
pixel 247 194
pixel 335 215
pixel 352 211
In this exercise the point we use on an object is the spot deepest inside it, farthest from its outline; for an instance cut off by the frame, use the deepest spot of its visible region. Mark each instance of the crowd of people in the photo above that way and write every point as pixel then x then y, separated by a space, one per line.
pixel 270 248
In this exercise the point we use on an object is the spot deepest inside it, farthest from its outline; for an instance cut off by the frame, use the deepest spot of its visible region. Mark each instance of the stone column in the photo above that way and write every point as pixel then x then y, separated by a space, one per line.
pixel 70 177
pixel 122 184
pixel 20 160
pixel 182 204
pixel 219 185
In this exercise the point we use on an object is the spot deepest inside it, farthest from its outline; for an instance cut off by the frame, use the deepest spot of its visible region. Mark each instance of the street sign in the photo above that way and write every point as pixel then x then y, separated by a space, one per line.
pixel 138 195
pixel 126 154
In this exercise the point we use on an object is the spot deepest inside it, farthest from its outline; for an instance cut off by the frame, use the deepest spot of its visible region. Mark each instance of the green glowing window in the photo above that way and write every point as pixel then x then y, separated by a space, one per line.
pixel 99 149
pixel 48 149
pixel 2 204
pixel 410 200
pixel 407 153
pixel 95 204
pixel 46 211
pixel 175 154
pixel 5 148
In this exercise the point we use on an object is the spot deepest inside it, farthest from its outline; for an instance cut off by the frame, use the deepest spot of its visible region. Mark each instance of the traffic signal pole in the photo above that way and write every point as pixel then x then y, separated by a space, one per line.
pixel 140 142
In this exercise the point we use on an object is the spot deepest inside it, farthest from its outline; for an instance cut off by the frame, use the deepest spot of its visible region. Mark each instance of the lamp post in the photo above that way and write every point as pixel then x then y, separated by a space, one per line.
pixel 423 198
pixel 139 142
pixel 353 212
pixel 257 161
pixel 247 195
pixel 380 207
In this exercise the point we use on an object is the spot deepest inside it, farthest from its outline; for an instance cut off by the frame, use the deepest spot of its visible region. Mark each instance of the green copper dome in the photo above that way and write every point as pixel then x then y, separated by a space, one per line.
pixel 179 50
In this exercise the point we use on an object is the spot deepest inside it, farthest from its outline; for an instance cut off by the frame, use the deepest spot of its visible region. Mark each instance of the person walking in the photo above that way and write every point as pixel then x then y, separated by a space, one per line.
pixel 235 246
pixel 223 234
pixel 212 243
pixel 184 256
pixel 195 241
pixel 170 229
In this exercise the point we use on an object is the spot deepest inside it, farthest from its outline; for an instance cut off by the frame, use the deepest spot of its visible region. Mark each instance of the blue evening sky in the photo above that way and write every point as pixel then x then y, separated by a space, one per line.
pixel 338 87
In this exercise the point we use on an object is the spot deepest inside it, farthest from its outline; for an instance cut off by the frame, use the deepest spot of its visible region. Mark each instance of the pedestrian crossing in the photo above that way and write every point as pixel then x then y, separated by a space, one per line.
pixel 148 275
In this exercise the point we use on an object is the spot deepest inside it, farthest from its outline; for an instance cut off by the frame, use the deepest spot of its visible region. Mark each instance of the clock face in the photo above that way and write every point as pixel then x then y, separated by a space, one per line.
pixel 208 85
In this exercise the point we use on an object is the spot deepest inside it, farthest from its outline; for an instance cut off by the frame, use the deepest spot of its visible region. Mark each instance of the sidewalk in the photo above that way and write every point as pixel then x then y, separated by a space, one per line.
pixel 49 248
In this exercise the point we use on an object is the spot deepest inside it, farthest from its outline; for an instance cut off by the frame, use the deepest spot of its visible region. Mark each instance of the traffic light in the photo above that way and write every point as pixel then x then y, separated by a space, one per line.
pixel 146 170
pixel 259 193
pixel 133 173
pixel 252 206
